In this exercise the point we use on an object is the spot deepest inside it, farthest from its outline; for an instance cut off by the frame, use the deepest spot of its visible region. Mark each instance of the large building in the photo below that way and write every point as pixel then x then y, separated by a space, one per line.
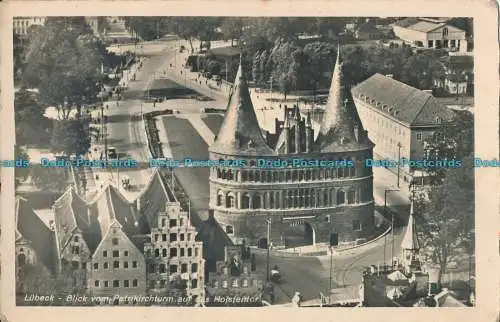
pixel 112 246
pixel 22 24
pixel 314 203
pixel 430 34
pixel 398 118
pixel 235 276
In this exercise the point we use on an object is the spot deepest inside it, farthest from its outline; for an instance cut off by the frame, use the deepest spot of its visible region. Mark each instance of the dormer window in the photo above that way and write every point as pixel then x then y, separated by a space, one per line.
pixel 250 144
pixel 378 104
pixel 438 119
pixel 373 101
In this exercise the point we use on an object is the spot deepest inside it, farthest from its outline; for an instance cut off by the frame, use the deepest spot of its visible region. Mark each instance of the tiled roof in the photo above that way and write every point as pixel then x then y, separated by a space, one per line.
pixel 110 205
pixel 30 227
pixel 425 26
pixel 400 101
pixel 240 133
pixel 93 218
pixel 70 213
pixel 337 132
pixel 406 22
pixel 154 197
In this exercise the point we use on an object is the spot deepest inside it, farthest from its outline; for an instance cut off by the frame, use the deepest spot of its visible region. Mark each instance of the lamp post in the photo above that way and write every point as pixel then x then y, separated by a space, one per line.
pixel 331 273
pixel 392 225
pixel 399 159
pixel 268 247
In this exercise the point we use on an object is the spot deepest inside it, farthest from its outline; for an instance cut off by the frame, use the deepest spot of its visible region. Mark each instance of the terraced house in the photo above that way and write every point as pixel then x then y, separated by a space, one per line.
pixel 116 247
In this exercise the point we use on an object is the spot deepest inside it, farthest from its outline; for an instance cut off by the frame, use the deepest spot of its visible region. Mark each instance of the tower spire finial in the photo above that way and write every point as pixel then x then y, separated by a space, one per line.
pixel 338 53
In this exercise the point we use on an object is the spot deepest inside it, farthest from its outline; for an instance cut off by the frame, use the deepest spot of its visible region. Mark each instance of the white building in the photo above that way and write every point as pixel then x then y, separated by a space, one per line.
pixel 425 33
pixel 21 24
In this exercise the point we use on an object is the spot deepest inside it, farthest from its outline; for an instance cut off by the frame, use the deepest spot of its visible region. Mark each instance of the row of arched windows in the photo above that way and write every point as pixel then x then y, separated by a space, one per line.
pixel 294 198
pixel 285 175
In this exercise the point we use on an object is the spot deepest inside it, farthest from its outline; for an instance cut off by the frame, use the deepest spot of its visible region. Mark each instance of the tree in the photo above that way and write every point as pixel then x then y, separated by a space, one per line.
pixel 70 137
pixel 21 174
pixel 63 62
pixel 449 217
pixel 454 140
pixel 256 71
pixel 232 28
pixel 213 67
pixel 31 124
pixel 49 179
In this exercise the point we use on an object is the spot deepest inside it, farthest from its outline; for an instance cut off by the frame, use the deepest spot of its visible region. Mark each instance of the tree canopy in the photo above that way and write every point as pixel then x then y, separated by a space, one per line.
pixel 63 60
pixel 70 137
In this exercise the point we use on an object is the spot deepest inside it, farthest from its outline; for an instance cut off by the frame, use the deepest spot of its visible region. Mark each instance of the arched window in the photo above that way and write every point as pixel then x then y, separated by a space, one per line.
pixel 245 201
pixel 350 197
pixel 250 175
pixel 220 196
pixel 230 174
pixel 229 229
pixel 164 252
pixel 325 198
pixel 224 175
pixel 219 174
pixel 157 252
pixel 352 169
pixel 340 197
pixel 229 201
pixel 256 202
pixel 243 176
pixel 445 32
pixel 257 176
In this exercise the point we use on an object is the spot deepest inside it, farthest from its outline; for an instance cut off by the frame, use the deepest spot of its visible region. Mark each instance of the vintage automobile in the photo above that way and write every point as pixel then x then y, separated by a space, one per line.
pixel 275 275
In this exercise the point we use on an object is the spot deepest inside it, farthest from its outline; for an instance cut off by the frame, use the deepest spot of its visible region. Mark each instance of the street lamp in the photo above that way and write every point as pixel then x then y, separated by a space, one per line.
pixel 392 225
pixel 331 272
pixel 399 159
pixel 268 247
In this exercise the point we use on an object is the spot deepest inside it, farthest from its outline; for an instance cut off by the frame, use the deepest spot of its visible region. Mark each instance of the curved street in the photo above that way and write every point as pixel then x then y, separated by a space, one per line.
pixel 309 275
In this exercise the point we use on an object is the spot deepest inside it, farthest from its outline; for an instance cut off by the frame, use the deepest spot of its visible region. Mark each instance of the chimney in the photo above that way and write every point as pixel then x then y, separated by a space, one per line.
pixel 211 215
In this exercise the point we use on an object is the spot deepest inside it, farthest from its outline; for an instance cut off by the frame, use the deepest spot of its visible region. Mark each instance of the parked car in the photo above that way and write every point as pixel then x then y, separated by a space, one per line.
pixel 112 154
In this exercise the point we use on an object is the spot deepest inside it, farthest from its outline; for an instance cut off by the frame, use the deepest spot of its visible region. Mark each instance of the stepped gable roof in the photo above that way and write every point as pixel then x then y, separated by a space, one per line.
pixel 291 122
pixel 337 130
pixel 154 197
pixel 240 133
pixel 410 239
pixel 71 213
pixel 400 101
pixel 31 228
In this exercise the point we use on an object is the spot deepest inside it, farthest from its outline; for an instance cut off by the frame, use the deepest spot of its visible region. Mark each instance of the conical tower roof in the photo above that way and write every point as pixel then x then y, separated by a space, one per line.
pixel 410 239
pixel 240 133
pixel 340 120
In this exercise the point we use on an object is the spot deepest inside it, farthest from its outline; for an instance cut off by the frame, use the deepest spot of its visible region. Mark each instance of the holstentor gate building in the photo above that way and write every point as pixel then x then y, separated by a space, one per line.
pixel 322 200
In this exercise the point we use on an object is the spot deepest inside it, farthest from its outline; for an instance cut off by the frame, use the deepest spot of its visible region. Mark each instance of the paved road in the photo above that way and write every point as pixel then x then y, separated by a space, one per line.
pixel 308 275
